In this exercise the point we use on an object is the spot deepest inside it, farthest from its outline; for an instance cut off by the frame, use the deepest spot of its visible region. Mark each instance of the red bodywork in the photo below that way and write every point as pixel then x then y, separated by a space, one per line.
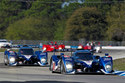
pixel 50 48
pixel 87 47
pixel 84 47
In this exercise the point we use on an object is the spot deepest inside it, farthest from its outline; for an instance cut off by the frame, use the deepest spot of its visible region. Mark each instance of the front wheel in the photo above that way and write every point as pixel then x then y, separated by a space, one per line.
pixel 62 68
pixel 52 66
pixel 5 61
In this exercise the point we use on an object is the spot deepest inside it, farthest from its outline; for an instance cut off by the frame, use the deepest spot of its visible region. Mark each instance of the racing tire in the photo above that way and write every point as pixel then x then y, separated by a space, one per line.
pixel 62 68
pixel 5 61
pixel 51 66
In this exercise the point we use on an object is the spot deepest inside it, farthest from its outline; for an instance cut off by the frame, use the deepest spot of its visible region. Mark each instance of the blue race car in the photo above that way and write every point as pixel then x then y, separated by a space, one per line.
pixel 81 61
pixel 25 55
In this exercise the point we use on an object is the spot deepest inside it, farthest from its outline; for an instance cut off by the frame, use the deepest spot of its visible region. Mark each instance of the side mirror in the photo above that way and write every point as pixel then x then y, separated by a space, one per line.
pixel 106 54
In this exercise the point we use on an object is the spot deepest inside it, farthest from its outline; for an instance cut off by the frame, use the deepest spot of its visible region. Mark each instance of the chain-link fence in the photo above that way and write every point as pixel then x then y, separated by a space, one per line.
pixel 73 43
pixel 37 42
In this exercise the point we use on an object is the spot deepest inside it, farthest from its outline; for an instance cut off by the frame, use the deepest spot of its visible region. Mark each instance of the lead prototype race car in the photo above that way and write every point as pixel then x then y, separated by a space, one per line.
pixel 81 61
pixel 25 56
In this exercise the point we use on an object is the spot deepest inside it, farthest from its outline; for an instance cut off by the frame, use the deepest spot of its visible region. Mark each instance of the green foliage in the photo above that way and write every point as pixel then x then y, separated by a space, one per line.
pixel 92 3
pixel 68 10
pixel 43 8
pixel 10 11
pixel 50 10
pixel 102 5
pixel 64 14
pixel 59 33
pixel 116 21
pixel 29 28
pixel 52 22
pixel 85 23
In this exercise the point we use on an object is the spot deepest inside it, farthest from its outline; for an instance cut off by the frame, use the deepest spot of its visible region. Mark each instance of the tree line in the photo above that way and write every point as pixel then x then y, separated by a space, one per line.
pixel 48 20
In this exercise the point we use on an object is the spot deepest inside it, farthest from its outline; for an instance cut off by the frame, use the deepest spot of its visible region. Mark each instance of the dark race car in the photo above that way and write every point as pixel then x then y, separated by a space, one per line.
pixel 24 56
pixel 81 61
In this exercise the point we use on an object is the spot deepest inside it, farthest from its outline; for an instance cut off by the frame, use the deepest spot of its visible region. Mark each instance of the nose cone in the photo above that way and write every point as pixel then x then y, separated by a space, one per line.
pixel 89 63
pixel 27 56
pixel 85 63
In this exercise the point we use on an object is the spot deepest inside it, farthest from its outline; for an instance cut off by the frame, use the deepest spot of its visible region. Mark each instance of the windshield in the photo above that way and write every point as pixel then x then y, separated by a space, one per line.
pixel 12 52
pixel 84 56
pixel 27 51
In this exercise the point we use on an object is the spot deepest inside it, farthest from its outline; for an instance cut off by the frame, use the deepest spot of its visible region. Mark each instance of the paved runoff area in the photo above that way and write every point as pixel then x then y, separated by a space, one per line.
pixel 37 74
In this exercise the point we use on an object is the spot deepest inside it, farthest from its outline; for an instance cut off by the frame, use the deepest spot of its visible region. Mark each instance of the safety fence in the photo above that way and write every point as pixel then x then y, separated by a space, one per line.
pixel 71 43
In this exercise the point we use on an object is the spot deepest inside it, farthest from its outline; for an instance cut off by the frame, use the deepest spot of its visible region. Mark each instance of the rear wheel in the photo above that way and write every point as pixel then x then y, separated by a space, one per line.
pixel 50 67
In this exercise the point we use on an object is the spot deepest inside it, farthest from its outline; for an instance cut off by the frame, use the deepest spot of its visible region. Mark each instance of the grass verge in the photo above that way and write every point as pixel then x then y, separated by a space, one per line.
pixel 119 64
pixel 3 50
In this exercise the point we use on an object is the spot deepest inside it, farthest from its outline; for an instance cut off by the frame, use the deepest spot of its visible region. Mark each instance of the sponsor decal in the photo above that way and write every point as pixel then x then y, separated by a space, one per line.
pixel 66 56
pixel 69 59
pixel 42 53
pixel 107 59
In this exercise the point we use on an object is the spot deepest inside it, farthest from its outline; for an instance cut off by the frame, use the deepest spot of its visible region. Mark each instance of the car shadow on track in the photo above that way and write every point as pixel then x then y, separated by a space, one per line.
pixel 85 74
pixel 20 66
pixel 40 82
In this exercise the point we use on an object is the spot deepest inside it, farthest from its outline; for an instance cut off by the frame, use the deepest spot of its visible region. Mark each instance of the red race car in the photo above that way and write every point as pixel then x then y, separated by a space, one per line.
pixel 86 47
pixel 53 47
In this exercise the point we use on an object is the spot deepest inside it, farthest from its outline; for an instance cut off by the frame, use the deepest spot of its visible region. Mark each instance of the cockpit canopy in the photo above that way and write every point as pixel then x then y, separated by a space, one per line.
pixel 83 56
pixel 27 51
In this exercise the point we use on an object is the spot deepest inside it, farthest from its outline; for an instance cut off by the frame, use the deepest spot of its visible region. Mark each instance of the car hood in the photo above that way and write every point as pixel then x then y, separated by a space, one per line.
pixel 85 62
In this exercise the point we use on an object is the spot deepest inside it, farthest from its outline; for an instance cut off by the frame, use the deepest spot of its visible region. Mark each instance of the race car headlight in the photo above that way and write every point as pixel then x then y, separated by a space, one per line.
pixel 43 60
pixel 69 66
pixel 12 60
pixel 44 48
pixel 108 68
pixel 60 48
pixel 79 47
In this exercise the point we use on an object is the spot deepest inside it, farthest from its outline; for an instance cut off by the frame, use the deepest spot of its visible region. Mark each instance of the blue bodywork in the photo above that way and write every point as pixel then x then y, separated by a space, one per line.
pixel 26 55
pixel 81 61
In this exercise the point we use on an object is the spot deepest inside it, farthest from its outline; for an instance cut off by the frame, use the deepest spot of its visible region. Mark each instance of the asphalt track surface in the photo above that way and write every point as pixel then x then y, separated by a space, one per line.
pixel 37 74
